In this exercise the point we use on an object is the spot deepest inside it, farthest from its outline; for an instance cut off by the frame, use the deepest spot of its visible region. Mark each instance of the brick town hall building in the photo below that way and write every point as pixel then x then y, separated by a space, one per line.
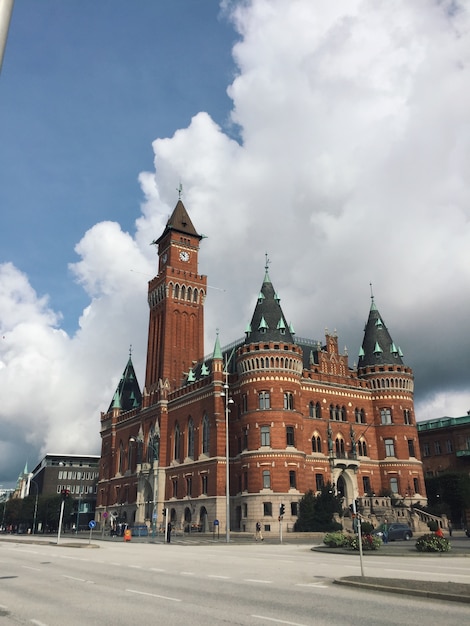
pixel 298 415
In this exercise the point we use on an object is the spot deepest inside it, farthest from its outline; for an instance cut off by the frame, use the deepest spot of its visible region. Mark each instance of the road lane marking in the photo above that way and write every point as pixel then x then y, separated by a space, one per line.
pixel 278 621
pixel 157 569
pixel 219 577
pixel 80 580
pixel 37 622
pixel 317 585
pixel 187 573
pixel 154 595
pixel 36 569
pixel 257 580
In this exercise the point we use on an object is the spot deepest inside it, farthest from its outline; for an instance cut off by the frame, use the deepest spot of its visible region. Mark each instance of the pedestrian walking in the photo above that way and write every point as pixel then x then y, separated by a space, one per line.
pixel 450 528
pixel 258 534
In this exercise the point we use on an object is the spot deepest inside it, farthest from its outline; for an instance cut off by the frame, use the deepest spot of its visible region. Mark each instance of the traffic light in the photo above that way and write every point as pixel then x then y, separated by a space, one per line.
pixel 65 493
pixel 282 510
pixel 164 512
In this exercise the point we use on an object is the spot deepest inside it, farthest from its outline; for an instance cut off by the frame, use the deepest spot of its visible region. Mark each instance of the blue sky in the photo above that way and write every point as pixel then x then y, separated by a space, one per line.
pixel 86 86
pixel 333 136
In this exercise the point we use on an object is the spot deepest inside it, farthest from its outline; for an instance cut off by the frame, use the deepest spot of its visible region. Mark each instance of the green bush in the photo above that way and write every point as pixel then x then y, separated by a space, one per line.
pixel 335 540
pixel 432 543
pixel 432 525
pixel 369 542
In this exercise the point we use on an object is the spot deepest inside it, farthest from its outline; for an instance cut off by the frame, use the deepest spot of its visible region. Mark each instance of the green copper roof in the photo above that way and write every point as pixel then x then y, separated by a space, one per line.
pixel 127 395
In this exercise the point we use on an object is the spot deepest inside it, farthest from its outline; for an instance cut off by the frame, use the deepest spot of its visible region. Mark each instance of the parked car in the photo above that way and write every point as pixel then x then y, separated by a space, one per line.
pixel 394 531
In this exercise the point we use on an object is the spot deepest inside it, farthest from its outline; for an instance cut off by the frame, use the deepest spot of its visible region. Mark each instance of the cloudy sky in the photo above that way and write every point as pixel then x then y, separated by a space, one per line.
pixel 335 136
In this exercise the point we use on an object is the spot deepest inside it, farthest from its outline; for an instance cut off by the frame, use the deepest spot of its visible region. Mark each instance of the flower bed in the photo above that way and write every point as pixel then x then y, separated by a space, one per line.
pixel 432 543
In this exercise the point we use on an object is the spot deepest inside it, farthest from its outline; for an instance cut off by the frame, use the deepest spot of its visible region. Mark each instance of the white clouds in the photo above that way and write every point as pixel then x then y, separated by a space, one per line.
pixel 353 167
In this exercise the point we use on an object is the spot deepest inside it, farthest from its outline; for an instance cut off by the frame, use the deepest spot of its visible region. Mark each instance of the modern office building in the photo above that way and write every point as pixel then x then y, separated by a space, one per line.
pixel 75 473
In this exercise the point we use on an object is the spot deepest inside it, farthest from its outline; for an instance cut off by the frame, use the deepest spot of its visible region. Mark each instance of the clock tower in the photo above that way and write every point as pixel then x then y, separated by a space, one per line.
pixel 176 300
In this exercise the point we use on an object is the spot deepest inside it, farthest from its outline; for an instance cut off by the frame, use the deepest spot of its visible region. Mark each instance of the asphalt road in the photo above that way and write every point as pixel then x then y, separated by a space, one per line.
pixel 212 584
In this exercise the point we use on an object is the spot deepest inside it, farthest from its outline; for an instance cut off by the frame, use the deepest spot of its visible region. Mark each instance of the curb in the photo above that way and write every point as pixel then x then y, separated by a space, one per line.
pixel 407 590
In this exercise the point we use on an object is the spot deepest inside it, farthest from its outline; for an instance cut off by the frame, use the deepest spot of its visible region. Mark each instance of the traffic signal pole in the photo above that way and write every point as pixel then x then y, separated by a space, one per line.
pixel 61 517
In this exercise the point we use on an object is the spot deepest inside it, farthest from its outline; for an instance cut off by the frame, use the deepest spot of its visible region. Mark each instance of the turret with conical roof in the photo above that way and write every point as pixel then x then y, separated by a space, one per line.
pixel 268 322
pixel 378 348
pixel 127 395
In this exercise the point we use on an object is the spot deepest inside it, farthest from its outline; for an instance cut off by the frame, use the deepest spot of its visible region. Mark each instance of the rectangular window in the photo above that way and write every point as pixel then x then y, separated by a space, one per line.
pixel 189 486
pixel 437 447
pixel 290 440
pixel 245 509
pixel 244 403
pixel 407 416
pixel 449 446
pixel 245 439
pixel 319 482
pixel 394 485
pixel 416 485
pixel 175 488
pixel 389 447
pixel 204 484
pixel 267 509
pixel 265 435
pixel 386 416
pixel 294 508
pixel 411 447
pixel 366 484
pixel 245 481
pixel 288 401
pixel 266 479
pixel 426 449
pixel 292 480
pixel 264 401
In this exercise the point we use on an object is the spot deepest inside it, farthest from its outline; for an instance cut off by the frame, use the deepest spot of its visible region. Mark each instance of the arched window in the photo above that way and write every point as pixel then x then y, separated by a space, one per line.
pixel 121 459
pixel 318 410
pixel 343 414
pixel 316 443
pixel 339 445
pixel 362 447
pixel 205 435
pixel 311 409
pixel 191 438
pixel 177 450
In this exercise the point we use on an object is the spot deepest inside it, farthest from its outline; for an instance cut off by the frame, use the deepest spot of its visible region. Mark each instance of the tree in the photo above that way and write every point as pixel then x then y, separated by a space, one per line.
pixel 449 493
pixel 316 511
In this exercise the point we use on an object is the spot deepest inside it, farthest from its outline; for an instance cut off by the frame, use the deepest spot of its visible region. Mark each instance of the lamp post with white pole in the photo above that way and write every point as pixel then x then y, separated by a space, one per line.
pixel 31 482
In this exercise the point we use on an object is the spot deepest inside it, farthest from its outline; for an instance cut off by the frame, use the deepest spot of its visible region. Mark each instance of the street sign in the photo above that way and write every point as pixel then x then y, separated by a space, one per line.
pixel 105 514
pixel 216 522
pixel 91 524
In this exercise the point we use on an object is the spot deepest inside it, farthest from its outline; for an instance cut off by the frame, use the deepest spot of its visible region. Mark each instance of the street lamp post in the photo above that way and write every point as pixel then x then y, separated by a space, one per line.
pixel 228 401
pixel 31 482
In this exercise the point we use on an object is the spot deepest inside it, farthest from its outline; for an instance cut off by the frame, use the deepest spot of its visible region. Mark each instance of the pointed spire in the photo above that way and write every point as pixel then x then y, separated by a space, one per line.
pixel 378 347
pixel 268 322
pixel 217 354
pixel 180 222
pixel 127 395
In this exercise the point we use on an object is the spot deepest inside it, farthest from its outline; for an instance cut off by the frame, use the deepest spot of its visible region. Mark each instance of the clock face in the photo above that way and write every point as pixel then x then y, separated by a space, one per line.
pixel 184 256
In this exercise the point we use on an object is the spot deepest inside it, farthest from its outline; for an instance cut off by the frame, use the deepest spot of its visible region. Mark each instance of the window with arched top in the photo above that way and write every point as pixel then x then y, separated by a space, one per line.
pixel 362 447
pixel 177 442
pixel 121 460
pixel 205 435
pixel 316 443
pixel 191 438
pixel 339 446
